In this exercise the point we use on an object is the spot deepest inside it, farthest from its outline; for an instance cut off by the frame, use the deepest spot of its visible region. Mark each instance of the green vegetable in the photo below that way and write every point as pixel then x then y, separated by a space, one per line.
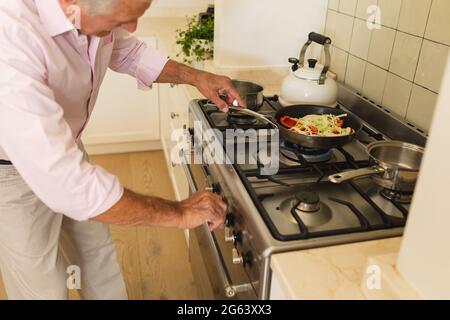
pixel 327 125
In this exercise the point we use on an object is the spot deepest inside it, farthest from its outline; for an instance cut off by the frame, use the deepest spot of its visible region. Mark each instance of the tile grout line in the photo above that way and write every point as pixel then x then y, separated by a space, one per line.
pixel 350 45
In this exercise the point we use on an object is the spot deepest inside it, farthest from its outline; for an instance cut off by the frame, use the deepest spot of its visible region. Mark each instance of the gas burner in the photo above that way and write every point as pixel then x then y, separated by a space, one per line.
pixel 398 197
pixel 292 152
pixel 308 202
pixel 240 119
pixel 308 207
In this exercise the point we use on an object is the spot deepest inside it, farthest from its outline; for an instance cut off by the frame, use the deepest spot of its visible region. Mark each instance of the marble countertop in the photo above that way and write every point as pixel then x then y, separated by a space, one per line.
pixel 325 273
pixel 338 272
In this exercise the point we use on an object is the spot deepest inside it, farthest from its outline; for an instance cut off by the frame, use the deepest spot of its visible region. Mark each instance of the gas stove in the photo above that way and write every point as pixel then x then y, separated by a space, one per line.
pixel 295 207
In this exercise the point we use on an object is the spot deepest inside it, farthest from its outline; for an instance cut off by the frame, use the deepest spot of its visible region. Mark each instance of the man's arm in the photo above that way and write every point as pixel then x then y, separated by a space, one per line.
pixel 209 84
pixel 138 210
pixel 132 56
pixel 37 139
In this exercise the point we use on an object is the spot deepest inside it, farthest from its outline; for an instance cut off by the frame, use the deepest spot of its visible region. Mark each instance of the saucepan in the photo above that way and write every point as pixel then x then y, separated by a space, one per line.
pixel 300 111
pixel 251 93
pixel 396 166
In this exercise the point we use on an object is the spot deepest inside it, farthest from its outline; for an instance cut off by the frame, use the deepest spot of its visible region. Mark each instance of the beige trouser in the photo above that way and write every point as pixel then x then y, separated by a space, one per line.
pixel 37 246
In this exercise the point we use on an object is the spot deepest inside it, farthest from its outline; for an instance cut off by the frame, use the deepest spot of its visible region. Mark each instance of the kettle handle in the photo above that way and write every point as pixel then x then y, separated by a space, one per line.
pixel 319 38
pixel 326 43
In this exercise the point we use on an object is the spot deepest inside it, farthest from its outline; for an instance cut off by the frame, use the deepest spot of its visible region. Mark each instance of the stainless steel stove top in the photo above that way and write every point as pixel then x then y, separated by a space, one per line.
pixel 297 208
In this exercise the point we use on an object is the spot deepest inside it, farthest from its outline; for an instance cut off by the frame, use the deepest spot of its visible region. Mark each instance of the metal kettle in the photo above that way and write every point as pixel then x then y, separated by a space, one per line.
pixel 309 84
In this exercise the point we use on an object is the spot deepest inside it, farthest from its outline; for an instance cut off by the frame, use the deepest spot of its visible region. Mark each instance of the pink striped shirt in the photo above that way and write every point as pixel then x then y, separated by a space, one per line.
pixel 49 81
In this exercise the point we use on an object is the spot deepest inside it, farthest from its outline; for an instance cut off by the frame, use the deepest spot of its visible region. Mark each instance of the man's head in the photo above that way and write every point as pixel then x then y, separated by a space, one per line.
pixel 100 17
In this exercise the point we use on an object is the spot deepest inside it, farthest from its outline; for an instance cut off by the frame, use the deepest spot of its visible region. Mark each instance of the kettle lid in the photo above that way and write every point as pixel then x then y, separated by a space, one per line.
pixel 312 71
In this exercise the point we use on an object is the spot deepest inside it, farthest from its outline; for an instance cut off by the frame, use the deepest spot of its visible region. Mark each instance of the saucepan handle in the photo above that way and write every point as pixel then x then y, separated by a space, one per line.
pixel 255 115
pixel 350 175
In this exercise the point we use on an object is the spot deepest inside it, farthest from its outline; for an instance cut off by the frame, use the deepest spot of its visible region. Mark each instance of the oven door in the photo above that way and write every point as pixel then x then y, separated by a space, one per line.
pixel 214 280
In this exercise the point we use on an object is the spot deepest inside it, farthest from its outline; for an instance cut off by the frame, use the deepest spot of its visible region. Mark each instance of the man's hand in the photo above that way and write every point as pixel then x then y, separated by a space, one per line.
pixel 203 207
pixel 214 87
pixel 138 210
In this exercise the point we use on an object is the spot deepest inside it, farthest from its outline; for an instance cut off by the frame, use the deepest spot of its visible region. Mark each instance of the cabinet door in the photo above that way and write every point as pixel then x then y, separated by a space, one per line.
pixel 123 113
pixel 174 116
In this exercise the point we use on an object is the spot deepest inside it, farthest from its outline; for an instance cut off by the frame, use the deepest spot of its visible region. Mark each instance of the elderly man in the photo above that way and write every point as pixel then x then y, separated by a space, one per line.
pixel 53 57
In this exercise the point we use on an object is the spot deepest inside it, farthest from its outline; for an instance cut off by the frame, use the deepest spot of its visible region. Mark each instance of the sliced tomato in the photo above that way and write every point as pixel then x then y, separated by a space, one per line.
pixel 340 123
pixel 288 122
pixel 314 130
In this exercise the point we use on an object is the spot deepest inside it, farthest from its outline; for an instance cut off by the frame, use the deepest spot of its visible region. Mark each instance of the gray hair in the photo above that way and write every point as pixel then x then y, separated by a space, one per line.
pixel 96 7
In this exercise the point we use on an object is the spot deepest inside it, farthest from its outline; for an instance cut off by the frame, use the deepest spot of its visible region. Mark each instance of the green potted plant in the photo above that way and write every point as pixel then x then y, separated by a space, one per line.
pixel 197 40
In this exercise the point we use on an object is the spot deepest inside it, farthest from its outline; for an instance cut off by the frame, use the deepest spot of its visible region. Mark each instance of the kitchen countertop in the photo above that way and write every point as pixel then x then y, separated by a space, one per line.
pixel 340 272
pixel 325 273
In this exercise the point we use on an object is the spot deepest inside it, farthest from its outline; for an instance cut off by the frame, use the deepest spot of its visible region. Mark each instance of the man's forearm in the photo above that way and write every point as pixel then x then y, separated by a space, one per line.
pixel 214 87
pixel 138 210
pixel 178 73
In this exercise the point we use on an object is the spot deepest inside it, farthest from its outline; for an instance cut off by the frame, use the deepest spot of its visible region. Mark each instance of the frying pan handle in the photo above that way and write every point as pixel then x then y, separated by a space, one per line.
pixel 255 115
pixel 350 175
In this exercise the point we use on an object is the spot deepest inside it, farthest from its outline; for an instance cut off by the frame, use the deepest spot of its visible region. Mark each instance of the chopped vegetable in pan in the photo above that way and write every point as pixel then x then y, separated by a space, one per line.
pixel 326 125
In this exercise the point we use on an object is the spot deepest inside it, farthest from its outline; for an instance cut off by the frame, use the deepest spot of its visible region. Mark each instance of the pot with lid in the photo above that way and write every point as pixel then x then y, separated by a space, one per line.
pixel 308 83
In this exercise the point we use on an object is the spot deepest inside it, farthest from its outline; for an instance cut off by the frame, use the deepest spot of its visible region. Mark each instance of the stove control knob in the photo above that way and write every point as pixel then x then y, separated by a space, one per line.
pixel 214 188
pixel 232 237
pixel 238 237
pixel 229 220
pixel 229 236
pixel 237 258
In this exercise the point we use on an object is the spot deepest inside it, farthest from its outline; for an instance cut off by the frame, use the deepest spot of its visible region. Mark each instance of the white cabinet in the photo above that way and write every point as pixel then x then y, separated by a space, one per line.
pixel 125 119
pixel 174 106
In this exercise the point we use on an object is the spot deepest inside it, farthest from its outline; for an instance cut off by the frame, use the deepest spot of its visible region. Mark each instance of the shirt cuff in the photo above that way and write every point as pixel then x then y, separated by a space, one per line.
pixel 112 197
pixel 151 63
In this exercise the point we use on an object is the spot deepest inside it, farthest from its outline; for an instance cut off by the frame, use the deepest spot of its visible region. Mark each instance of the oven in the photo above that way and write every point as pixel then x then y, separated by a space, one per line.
pixel 219 270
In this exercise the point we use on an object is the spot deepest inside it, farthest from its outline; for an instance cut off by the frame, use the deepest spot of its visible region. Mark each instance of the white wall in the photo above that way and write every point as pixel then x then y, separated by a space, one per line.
pixel 174 8
pixel 259 33
pixel 425 254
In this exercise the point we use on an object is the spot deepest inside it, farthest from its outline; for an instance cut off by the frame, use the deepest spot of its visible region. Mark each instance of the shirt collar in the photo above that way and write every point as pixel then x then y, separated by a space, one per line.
pixel 53 17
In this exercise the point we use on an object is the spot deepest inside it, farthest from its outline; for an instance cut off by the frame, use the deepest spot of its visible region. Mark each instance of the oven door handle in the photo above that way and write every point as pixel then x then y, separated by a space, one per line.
pixel 230 290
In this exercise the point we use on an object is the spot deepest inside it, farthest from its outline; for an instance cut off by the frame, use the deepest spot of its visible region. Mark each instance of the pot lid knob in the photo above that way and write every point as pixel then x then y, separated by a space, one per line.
pixel 312 63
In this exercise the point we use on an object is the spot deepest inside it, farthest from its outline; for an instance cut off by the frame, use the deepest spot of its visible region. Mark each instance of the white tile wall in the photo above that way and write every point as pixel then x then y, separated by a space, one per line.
pixel 438 28
pixel 414 16
pixel 356 69
pixel 399 63
pixel 431 65
pixel 405 55
pixel 381 45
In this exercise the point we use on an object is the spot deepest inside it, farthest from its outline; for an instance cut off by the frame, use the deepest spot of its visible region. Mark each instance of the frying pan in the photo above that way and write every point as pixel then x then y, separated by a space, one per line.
pixel 300 111
pixel 396 167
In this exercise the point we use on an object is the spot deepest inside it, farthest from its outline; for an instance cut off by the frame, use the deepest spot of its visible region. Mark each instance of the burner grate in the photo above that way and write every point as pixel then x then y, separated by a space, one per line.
pixel 322 170
pixel 210 110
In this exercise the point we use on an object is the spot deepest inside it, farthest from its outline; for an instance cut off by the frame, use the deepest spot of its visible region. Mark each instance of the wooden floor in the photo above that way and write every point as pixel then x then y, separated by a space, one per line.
pixel 154 261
